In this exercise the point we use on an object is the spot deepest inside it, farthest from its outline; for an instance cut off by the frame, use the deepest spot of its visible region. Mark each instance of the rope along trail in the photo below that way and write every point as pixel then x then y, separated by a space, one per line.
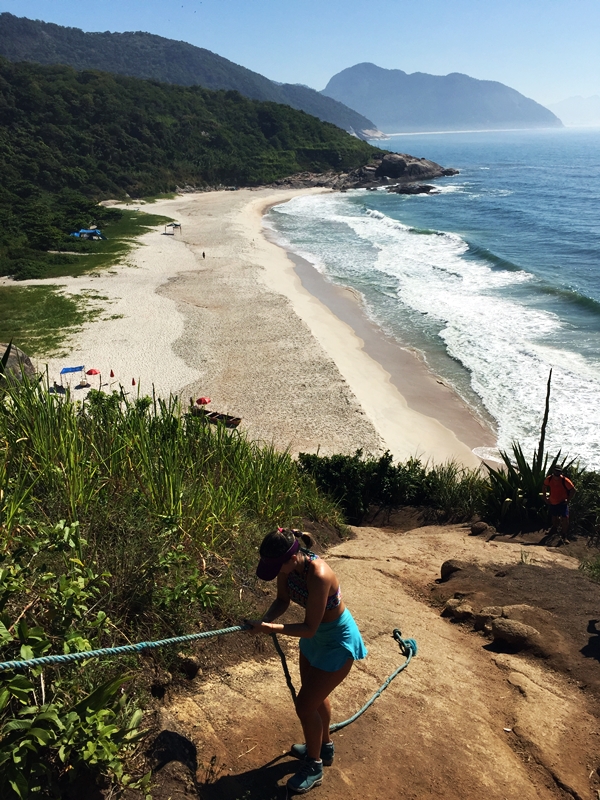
pixel 407 646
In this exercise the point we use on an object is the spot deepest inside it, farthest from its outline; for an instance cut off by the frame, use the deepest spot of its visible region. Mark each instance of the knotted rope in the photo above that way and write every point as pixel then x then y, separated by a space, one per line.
pixel 409 650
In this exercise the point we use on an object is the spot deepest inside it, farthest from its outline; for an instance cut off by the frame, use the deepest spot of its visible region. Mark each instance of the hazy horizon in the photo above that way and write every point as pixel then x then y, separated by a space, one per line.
pixel 544 49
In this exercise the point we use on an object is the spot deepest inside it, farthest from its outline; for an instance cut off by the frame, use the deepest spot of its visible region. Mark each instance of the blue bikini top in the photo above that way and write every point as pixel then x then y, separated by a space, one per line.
pixel 299 590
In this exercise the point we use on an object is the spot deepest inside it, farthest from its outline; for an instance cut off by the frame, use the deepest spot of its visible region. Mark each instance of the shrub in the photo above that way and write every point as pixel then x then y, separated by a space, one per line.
pixel 361 485
pixel 53 725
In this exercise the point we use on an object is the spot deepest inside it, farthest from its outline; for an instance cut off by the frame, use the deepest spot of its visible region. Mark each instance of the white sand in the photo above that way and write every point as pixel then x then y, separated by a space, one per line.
pixel 134 334
pixel 239 326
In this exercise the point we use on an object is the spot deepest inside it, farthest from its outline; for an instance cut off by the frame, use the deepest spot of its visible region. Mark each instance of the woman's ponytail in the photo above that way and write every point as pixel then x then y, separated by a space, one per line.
pixel 307 540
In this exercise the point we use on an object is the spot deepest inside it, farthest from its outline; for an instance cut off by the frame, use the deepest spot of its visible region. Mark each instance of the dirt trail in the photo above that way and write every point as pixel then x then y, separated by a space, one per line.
pixel 461 722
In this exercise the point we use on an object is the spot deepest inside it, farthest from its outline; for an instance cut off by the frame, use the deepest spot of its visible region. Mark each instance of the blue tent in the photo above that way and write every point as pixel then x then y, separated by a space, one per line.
pixel 71 369
pixel 88 233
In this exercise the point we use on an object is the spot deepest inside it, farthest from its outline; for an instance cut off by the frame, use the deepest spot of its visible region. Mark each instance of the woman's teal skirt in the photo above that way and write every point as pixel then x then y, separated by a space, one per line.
pixel 334 643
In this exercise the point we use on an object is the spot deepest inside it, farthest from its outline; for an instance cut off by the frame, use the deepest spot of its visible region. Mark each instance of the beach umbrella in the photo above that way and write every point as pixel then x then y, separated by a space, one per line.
pixel 95 372
pixel 133 381
pixel 112 374
pixel 203 401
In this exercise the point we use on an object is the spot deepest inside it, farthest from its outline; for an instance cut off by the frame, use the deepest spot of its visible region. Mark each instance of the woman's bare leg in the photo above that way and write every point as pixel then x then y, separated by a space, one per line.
pixel 313 707
pixel 324 710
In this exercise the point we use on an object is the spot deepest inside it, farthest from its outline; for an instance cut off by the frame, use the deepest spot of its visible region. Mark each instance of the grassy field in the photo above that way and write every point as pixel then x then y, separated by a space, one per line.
pixel 97 255
pixel 38 319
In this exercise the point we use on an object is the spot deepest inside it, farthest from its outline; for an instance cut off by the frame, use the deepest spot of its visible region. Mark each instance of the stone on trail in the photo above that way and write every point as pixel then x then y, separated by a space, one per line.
pixel 515 634
pixel 451 566
pixel 477 528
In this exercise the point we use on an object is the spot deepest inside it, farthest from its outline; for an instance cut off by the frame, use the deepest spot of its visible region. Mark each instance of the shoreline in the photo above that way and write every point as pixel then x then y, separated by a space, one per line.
pixel 420 386
pixel 267 337
pixel 444 424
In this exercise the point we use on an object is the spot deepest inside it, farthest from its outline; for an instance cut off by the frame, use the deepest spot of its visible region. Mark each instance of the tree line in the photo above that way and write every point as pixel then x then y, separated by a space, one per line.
pixel 69 139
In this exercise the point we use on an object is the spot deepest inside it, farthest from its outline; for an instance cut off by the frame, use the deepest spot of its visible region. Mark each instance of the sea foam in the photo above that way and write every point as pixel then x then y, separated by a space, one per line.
pixel 431 279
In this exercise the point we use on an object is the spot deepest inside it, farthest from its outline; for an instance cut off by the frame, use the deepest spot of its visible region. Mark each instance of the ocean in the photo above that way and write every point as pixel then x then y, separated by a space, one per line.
pixel 495 280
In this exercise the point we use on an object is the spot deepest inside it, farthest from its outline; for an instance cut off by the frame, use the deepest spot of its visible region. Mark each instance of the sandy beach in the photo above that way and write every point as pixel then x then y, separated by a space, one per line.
pixel 220 310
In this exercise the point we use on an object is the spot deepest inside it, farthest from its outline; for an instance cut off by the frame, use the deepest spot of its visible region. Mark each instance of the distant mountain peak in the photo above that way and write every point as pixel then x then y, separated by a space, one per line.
pixel 400 102
pixel 579 110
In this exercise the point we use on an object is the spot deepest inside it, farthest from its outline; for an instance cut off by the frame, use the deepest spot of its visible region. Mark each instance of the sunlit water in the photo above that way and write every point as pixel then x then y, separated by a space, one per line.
pixel 495 280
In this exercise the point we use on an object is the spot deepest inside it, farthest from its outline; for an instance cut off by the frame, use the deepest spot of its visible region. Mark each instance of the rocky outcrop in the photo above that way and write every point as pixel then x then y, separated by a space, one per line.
pixel 18 365
pixel 451 566
pixel 393 170
pixel 399 166
pixel 479 527
pixel 414 188
pixel 515 634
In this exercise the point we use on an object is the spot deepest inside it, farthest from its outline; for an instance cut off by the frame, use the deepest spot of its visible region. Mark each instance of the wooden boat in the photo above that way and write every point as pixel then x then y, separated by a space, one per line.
pixel 214 417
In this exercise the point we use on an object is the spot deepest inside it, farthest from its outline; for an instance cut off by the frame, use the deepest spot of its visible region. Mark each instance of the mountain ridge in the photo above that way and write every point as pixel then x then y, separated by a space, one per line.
pixel 145 55
pixel 402 102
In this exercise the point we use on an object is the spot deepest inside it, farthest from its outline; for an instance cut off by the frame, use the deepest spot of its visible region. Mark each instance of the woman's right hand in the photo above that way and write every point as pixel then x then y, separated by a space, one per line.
pixel 257 626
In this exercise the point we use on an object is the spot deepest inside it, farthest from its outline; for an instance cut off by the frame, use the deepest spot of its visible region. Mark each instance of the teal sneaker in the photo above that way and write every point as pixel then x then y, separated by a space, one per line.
pixel 308 776
pixel 327 752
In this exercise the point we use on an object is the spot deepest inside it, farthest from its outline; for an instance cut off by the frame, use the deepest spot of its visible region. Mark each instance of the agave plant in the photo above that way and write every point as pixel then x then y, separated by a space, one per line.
pixel 516 489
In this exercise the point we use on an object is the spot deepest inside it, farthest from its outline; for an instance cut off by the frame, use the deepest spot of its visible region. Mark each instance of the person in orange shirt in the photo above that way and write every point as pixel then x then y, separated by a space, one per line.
pixel 558 490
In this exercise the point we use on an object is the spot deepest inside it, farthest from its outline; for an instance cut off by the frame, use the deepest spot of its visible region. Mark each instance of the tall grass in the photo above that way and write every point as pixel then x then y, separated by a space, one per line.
pixel 163 499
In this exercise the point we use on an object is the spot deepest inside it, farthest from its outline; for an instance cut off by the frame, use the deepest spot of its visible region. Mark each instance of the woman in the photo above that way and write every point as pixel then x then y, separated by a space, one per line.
pixel 330 642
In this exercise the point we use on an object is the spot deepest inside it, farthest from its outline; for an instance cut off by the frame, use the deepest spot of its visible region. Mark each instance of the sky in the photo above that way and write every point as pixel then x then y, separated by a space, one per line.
pixel 547 49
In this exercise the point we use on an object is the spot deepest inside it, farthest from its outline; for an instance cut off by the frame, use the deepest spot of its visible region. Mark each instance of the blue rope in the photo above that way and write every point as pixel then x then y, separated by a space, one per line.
pixel 409 649
pixel 407 646
pixel 44 661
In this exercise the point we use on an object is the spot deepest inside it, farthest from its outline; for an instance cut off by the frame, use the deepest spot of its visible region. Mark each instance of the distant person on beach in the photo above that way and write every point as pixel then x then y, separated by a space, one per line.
pixel 203 254
pixel 558 490
pixel 330 641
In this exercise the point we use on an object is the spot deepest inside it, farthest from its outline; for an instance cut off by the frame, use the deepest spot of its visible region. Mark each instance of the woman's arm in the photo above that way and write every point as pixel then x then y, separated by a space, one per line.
pixel 318 589
pixel 280 605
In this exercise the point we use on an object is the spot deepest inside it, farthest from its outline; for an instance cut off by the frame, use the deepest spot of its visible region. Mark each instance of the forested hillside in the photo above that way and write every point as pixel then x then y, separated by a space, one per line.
pixel 144 55
pixel 69 139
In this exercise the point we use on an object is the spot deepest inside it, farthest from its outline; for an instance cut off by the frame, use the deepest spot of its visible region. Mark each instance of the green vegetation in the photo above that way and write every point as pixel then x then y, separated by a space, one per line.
pixel 68 140
pixel 38 318
pixel 370 486
pixel 591 567
pixel 143 55
pixel 87 256
pixel 120 520
pixel 54 725
pixel 510 499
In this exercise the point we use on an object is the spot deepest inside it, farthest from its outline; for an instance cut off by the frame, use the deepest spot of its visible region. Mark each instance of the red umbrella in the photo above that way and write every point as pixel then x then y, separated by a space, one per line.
pixel 112 374
pixel 133 381
pixel 95 372
pixel 203 401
